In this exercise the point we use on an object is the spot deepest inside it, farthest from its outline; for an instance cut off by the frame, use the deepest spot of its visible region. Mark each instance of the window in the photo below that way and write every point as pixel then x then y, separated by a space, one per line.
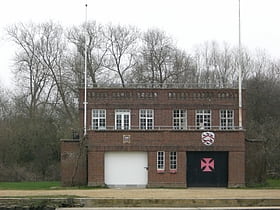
pixel 179 119
pixel 98 119
pixel 226 119
pixel 160 160
pixel 146 119
pixel 122 119
pixel 203 119
pixel 173 160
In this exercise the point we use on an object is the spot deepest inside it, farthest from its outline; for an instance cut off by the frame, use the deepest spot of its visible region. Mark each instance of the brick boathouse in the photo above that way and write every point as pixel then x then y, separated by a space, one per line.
pixel 157 137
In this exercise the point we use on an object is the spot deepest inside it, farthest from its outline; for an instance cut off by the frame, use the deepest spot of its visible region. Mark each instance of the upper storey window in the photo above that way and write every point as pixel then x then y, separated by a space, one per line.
pixel 179 119
pixel 122 119
pixel 98 119
pixel 226 119
pixel 146 118
pixel 203 119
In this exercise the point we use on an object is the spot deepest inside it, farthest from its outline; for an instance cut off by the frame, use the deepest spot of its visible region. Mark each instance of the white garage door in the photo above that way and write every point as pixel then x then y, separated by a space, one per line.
pixel 126 168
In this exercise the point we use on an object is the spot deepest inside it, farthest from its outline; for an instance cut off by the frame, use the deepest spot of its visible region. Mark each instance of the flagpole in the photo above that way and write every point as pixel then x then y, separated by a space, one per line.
pixel 85 75
pixel 240 69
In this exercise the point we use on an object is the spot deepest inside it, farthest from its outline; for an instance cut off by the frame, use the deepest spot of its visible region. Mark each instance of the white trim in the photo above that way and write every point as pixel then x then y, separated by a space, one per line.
pixel 146 118
pixel 122 113
pixel 163 160
pixel 226 118
pixel 98 117
pixel 203 113
pixel 185 123
pixel 170 161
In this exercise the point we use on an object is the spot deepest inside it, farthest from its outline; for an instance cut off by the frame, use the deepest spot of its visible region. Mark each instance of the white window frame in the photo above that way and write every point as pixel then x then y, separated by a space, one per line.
pixel 146 119
pixel 98 119
pixel 122 113
pixel 160 160
pixel 179 119
pixel 203 119
pixel 173 161
pixel 226 119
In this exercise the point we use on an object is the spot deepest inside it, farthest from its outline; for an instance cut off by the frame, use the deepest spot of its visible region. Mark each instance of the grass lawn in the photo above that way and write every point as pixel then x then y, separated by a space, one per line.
pixel 29 185
pixel 269 184
pixel 274 182
pixel 39 186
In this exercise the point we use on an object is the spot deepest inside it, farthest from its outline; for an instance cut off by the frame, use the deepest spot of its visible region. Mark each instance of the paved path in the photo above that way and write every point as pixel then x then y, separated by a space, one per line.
pixel 192 197
pixel 216 208
pixel 191 193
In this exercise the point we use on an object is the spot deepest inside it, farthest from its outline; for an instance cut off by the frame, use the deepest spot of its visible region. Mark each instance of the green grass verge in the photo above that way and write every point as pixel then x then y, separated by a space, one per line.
pixel 39 186
pixel 29 185
pixel 269 184
pixel 274 182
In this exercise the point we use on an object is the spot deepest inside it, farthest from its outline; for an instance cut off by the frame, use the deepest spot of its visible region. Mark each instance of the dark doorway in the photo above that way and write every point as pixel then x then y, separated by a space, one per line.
pixel 207 169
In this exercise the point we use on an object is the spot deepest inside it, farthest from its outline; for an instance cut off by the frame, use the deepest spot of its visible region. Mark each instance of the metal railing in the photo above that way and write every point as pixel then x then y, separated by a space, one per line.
pixel 170 128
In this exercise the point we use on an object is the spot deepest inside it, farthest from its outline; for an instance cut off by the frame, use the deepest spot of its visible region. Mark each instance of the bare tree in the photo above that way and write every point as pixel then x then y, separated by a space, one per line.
pixel 121 54
pixel 96 49
pixel 183 69
pixel 52 56
pixel 30 73
pixel 41 59
pixel 157 56
pixel 219 66
pixel 222 61
pixel 161 63
pixel 204 65
pixel 247 63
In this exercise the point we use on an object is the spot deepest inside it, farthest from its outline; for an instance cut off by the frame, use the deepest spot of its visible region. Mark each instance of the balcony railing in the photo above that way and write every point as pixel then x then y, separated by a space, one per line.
pixel 171 128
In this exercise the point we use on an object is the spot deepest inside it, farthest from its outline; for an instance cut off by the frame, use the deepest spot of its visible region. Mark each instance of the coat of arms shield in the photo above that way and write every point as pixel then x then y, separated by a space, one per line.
pixel 208 138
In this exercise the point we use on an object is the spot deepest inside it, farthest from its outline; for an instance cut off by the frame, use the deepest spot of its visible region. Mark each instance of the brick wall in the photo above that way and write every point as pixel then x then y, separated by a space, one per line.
pixel 163 102
pixel 236 169
pixel 167 141
pixel 73 163
pixel 167 178
pixel 149 140
pixel 96 168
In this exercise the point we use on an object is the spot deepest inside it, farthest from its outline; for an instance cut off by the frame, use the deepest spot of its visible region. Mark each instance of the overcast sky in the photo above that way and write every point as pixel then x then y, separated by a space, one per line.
pixel 189 22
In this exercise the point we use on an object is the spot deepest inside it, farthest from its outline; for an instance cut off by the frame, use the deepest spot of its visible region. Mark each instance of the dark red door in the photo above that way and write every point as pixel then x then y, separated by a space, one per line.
pixel 207 169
